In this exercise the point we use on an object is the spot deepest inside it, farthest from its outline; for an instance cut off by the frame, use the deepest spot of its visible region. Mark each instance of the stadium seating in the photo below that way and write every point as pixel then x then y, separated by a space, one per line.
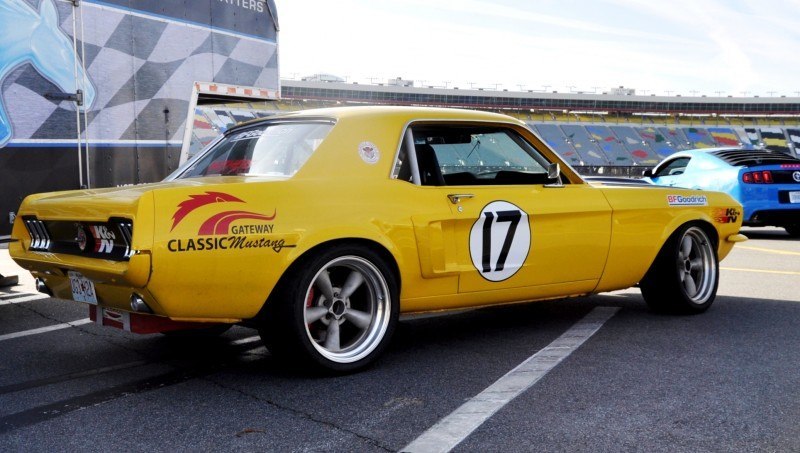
pixel 614 144
pixel 639 150
pixel 555 138
pixel 585 146
pixel 657 141
pixel 724 136
pixel 611 146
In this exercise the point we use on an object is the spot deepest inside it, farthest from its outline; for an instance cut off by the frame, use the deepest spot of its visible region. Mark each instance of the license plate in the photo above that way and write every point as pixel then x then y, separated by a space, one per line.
pixel 794 197
pixel 82 288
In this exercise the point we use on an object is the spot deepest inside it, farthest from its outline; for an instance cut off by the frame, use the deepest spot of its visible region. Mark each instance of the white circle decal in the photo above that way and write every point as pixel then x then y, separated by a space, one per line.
pixel 369 152
pixel 500 240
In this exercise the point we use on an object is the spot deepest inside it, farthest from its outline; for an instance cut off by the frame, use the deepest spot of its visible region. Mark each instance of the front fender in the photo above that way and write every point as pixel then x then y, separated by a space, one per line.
pixel 644 219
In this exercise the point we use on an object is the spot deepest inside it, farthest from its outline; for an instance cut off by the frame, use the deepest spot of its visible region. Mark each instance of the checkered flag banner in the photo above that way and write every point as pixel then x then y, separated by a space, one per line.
pixel 141 59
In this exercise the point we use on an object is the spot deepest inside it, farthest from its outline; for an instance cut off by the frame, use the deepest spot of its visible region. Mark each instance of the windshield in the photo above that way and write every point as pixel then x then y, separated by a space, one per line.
pixel 271 149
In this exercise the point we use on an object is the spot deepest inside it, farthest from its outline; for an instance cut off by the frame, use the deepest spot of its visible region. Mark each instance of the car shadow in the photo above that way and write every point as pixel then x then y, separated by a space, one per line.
pixel 767 233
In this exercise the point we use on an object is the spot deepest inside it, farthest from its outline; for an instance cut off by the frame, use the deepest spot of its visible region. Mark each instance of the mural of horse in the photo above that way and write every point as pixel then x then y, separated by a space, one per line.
pixel 31 36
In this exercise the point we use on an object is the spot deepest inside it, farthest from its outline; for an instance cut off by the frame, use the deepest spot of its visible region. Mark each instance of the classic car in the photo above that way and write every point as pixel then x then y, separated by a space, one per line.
pixel 319 228
pixel 766 183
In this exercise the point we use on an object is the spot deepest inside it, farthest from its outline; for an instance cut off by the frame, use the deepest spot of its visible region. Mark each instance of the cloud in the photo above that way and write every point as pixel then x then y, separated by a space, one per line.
pixel 711 45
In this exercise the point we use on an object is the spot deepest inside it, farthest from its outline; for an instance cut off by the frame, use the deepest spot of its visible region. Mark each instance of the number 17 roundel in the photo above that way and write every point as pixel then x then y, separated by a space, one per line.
pixel 500 240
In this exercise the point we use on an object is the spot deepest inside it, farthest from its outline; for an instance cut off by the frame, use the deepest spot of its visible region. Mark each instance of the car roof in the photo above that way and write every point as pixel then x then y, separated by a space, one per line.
pixel 402 113
pixel 738 157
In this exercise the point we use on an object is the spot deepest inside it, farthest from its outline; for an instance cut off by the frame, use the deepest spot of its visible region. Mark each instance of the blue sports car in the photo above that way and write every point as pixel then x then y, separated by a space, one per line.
pixel 766 183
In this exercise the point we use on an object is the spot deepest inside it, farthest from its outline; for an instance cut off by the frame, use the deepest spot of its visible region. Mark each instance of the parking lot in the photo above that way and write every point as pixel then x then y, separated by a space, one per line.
pixel 726 380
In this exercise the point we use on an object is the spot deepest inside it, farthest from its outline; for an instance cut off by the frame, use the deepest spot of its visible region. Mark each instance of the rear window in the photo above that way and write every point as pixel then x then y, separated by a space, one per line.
pixel 271 149
pixel 750 157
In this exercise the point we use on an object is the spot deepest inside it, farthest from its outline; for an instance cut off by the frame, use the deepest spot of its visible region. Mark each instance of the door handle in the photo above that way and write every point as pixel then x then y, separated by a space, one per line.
pixel 456 198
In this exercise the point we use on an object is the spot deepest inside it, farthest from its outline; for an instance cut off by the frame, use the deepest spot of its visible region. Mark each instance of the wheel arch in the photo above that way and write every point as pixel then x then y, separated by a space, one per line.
pixel 301 259
pixel 662 285
pixel 709 229
pixel 703 221
pixel 703 224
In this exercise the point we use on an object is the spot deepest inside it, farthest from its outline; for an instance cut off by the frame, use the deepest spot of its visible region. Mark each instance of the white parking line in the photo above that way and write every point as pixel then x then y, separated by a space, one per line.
pixel 12 295
pixel 26 298
pixel 454 428
pixel 25 333
pixel 246 340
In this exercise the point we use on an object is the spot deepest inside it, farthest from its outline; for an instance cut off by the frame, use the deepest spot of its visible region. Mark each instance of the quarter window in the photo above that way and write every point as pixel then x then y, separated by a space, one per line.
pixel 673 168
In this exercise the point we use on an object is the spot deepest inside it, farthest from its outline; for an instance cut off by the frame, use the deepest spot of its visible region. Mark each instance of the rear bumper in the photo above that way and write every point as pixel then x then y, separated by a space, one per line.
pixel 138 322
pixel 774 217
pixel 764 202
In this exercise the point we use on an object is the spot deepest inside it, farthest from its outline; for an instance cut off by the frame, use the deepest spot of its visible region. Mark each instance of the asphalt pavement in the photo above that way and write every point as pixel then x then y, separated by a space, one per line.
pixel 726 380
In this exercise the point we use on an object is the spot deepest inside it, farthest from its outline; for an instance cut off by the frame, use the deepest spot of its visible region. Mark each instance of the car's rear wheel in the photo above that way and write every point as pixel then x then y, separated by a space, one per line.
pixel 337 311
pixel 793 230
pixel 685 275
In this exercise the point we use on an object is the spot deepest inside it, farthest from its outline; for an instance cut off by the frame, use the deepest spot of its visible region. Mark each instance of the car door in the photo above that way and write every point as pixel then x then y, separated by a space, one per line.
pixel 501 223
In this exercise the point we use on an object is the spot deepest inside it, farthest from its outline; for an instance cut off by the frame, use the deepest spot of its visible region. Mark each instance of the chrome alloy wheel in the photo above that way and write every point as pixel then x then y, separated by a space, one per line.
pixel 347 309
pixel 696 265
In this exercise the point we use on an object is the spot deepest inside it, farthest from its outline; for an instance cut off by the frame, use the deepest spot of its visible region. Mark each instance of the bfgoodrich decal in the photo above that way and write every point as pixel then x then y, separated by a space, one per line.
pixel 690 200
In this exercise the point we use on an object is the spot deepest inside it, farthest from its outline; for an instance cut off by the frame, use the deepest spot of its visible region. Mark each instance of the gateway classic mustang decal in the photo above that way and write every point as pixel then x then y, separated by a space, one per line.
pixel 219 224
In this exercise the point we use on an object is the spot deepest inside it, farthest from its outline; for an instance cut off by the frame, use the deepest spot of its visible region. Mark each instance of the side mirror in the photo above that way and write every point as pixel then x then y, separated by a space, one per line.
pixel 648 173
pixel 554 174
pixel 554 171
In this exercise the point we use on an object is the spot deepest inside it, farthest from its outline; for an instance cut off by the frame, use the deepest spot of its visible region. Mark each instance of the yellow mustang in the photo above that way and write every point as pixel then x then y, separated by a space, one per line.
pixel 320 227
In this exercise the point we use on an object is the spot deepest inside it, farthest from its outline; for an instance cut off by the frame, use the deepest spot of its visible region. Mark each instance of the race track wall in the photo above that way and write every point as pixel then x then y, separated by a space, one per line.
pixel 141 59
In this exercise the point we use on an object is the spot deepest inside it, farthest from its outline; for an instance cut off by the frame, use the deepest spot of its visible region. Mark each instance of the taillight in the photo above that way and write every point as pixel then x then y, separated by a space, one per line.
pixel 757 177
pixel 40 236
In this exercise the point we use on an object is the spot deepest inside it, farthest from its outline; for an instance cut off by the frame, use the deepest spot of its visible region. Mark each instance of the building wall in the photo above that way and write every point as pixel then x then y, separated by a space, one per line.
pixel 141 58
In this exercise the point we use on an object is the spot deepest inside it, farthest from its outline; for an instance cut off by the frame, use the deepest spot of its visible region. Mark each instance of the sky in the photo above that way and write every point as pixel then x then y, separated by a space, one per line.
pixel 686 47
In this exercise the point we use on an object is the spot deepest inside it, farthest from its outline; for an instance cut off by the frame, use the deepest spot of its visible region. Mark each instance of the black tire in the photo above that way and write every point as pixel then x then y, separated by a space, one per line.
pixel 684 277
pixel 793 230
pixel 339 326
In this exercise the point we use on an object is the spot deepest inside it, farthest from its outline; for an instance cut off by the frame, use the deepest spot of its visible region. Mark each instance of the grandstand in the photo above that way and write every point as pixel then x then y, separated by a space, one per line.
pixel 595 133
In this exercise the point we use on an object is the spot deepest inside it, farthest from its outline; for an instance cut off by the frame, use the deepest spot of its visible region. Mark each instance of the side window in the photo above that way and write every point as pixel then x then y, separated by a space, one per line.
pixel 449 155
pixel 673 168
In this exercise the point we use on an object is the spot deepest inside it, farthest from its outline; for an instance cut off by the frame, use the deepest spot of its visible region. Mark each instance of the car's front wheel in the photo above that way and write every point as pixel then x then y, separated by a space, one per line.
pixel 685 274
pixel 336 311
